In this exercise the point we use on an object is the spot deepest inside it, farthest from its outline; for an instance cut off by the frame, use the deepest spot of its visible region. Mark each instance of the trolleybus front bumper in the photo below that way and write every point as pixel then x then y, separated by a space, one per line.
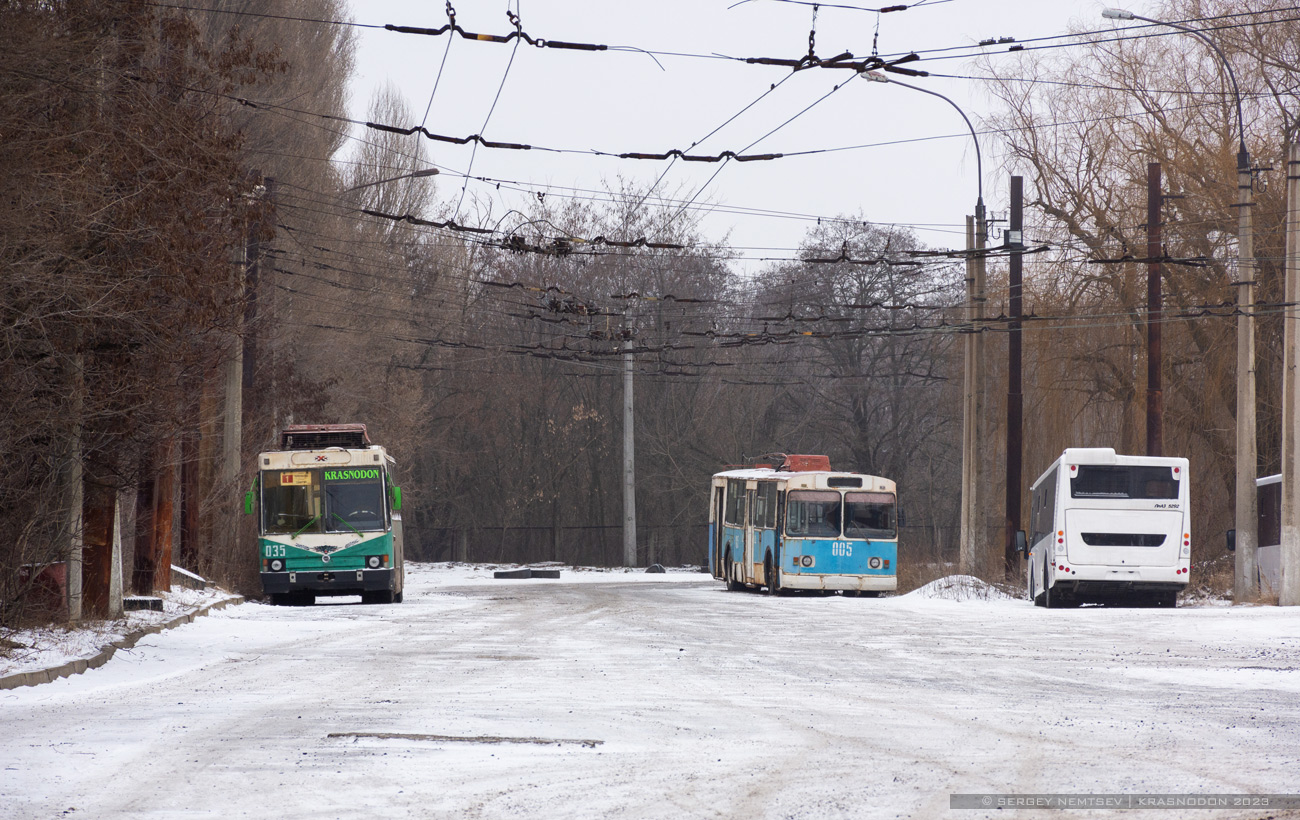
pixel 330 582
pixel 861 583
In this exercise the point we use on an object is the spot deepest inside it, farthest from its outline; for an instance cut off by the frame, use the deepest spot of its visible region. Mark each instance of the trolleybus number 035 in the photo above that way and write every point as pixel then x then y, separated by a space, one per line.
pixel 275 551
pixel 842 548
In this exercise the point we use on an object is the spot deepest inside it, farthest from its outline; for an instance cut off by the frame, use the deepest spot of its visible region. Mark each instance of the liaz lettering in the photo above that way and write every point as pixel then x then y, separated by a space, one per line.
pixel 351 475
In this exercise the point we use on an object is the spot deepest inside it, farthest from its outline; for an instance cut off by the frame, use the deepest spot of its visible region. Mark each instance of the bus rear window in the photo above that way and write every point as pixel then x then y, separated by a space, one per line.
pixel 869 515
pixel 813 514
pixel 1105 481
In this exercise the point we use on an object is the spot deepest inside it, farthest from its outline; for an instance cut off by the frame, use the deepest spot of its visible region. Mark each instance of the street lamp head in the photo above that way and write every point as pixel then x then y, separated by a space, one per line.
pixel 1117 14
pixel 875 76
pixel 427 172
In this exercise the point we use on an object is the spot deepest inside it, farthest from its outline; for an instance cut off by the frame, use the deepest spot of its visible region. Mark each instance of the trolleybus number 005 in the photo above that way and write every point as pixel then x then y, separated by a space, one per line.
pixel 841 548
pixel 275 551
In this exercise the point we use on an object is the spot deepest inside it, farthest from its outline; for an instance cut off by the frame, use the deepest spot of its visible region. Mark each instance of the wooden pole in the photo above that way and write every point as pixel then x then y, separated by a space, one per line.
pixel 1015 397
pixel 1155 392
pixel 100 518
pixel 629 463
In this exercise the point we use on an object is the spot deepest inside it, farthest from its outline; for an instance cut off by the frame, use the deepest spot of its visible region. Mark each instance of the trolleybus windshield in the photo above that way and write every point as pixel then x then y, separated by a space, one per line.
pixel 814 513
pixel 291 501
pixel 1104 481
pixel 354 499
pixel 869 515
pixel 295 502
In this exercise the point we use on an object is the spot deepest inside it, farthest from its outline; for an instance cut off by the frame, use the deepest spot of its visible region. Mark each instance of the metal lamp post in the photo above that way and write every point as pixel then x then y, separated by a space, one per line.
pixel 971 544
pixel 1247 523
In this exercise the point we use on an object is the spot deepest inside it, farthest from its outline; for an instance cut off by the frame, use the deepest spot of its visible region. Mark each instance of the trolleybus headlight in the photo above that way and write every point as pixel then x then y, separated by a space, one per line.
pixel 807 560
pixel 874 563
pixel 277 565
pixel 373 562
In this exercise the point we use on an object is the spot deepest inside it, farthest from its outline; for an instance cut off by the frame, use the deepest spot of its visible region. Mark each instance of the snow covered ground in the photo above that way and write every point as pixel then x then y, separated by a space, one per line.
pixel 660 696
pixel 48 647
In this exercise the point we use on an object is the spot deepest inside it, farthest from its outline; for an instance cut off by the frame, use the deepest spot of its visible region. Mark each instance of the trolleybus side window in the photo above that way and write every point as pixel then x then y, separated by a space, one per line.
pixel 869 515
pixel 814 513
pixel 291 501
pixel 765 505
pixel 354 499
pixel 1104 481
pixel 735 492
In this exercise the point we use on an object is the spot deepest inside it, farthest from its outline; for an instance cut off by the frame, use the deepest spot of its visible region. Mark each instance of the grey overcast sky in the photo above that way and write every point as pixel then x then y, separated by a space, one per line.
pixel 917 167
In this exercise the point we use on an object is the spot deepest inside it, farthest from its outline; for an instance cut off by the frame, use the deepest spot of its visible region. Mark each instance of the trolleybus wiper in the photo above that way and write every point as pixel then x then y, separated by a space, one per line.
pixel 305 526
pixel 346 524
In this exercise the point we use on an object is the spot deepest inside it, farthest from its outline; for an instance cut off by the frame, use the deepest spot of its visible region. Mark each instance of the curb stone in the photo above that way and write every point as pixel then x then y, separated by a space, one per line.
pixel 80 665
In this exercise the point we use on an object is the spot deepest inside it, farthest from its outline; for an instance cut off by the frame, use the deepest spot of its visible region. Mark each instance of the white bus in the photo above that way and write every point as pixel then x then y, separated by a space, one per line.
pixel 1106 528
pixel 799 525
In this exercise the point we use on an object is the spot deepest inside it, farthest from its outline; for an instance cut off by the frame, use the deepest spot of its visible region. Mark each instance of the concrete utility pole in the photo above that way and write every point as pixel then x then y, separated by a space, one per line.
pixel 629 469
pixel 1289 595
pixel 1015 397
pixel 968 549
pixel 973 535
pixel 1246 586
pixel 1155 393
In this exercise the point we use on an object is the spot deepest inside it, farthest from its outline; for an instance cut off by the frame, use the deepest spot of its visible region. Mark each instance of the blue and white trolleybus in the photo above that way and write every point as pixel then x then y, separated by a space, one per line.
pixel 799 525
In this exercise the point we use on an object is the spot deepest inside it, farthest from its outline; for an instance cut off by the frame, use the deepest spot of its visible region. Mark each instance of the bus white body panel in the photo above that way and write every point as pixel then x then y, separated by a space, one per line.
pixel 1109 528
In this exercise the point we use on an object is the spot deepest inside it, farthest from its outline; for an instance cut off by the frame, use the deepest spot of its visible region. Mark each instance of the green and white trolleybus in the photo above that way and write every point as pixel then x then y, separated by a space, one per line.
pixel 799 525
pixel 328 517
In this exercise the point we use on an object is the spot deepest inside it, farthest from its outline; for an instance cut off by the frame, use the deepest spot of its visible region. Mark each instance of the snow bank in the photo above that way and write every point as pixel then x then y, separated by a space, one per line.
pixel 47 647
pixel 960 588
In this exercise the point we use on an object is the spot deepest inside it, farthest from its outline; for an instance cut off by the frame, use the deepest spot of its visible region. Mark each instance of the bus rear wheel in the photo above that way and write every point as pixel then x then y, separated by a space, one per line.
pixel 383 596
pixel 1047 591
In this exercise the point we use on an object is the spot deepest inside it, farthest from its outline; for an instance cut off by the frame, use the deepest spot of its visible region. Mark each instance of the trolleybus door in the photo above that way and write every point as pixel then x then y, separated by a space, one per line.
pixel 718 511
pixel 751 574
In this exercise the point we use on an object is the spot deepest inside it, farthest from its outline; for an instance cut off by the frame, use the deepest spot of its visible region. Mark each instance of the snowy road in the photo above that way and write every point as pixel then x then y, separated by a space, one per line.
pixel 695 702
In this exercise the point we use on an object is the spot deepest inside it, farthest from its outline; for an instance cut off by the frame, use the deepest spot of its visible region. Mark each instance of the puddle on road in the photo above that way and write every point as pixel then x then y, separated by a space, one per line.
pixel 535 741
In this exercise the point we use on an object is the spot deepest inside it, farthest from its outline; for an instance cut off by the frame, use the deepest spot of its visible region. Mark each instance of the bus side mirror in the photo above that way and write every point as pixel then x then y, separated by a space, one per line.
pixel 397 498
pixel 902 518
pixel 248 503
pixel 1022 544
pixel 1232 540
